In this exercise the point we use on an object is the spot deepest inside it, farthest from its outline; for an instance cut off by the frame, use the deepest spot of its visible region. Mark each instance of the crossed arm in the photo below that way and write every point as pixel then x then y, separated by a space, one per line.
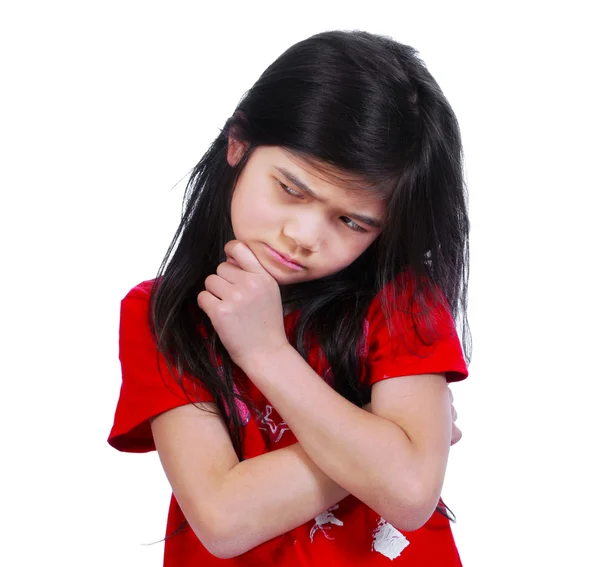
pixel 393 459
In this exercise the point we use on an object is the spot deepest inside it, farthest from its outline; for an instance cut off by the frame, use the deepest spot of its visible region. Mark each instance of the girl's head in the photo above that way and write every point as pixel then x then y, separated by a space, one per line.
pixel 359 119
pixel 281 204
pixel 344 156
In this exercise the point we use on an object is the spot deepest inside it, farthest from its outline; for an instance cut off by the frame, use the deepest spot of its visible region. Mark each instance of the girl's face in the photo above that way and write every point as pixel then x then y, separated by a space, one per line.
pixel 299 226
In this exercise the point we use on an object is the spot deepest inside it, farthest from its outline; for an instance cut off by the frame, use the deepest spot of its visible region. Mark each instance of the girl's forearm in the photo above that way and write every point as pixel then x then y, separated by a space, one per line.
pixel 371 457
pixel 266 496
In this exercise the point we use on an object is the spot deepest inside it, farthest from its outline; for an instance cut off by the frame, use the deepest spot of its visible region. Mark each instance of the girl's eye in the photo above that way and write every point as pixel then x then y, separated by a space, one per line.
pixel 352 225
pixel 346 220
pixel 290 191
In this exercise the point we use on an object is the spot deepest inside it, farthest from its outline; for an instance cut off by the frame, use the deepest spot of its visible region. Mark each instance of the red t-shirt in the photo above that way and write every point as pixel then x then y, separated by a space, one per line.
pixel 348 533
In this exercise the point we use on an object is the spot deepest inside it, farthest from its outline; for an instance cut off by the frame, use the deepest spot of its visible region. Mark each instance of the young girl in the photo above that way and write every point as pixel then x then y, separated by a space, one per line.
pixel 290 361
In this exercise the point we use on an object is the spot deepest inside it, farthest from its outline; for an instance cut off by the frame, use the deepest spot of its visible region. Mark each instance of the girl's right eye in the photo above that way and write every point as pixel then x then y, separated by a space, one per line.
pixel 290 191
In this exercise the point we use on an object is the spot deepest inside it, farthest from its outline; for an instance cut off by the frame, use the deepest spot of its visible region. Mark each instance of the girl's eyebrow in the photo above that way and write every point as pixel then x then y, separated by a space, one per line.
pixel 300 184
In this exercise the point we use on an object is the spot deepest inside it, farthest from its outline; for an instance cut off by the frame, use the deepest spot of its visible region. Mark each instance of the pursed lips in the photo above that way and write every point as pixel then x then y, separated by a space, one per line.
pixel 285 258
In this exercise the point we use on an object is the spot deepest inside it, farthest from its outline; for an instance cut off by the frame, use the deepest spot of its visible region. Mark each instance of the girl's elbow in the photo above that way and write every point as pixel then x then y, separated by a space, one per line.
pixel 413 519
pixel 226 537
pixel 215 534
pixel 222 551
pixel 409 519
pixel 220 543
pixel 414 512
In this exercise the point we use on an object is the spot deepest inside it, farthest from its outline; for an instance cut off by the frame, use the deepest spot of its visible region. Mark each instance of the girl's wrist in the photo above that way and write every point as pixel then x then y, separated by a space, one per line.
pixel 260 358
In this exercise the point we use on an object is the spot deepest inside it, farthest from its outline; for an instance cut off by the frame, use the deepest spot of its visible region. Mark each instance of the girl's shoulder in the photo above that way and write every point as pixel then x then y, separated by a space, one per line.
pixel 141 290
pixel 396 293
pixel 400 294
pixel 398 310
pixel 406 334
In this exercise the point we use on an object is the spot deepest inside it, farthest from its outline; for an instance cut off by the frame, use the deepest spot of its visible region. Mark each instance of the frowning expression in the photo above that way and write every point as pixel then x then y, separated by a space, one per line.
pixel 299 225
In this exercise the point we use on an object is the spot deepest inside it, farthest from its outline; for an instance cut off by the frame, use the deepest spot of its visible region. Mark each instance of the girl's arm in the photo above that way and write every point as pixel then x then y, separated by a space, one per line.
pixel 231 506
pixel 234 506
pixel 394 459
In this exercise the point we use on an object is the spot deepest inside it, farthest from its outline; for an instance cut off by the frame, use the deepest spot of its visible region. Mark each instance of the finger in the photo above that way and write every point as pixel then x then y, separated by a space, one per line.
pixel 454 414
pixel 244 257
pixel 451 394
pixel 228 271
pixel 218 286
pixel 207 302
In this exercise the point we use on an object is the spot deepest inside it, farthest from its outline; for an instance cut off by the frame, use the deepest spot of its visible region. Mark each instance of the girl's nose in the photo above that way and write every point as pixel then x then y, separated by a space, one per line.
pixel 304 232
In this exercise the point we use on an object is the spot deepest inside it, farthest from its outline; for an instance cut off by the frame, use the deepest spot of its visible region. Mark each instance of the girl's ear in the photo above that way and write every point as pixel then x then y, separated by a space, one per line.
pixel 235 150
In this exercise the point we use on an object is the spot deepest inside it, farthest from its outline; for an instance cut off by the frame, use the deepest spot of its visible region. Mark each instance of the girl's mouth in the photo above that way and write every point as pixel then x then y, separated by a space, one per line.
pixel 284 260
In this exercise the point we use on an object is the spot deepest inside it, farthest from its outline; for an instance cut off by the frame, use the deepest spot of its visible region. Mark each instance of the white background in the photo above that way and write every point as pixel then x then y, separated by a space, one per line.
pixel 105 107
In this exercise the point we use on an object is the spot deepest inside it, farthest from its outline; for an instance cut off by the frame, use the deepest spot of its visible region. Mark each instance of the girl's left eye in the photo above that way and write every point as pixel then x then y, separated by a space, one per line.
pixel 290 191
pixel 346 220
pixel 352 225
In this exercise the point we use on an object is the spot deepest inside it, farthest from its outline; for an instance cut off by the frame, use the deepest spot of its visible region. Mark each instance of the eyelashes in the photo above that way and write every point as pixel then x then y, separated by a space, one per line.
pixel 346 220
pixel 290 191
pixel 352 225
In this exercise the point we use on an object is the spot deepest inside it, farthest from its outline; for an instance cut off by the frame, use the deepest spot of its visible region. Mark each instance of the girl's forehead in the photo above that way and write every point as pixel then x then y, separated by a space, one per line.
pixel 318 176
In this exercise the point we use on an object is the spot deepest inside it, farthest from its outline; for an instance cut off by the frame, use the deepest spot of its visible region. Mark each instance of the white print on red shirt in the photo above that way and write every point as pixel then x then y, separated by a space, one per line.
pixel 325 518
pixel 266 423
pixel 387 540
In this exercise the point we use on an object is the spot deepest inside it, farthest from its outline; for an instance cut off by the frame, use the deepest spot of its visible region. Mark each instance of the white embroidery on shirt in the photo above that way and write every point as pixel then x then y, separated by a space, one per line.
pixel 275 430
pixel 325 518
pixel 387 540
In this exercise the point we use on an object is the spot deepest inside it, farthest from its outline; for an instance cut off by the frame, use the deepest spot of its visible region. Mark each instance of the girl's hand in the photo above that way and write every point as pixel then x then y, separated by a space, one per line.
pixel 243 303
pixel 456 432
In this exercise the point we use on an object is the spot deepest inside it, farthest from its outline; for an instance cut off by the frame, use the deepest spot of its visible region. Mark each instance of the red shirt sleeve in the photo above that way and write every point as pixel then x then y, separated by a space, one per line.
pixel 401 352
pixel 147 387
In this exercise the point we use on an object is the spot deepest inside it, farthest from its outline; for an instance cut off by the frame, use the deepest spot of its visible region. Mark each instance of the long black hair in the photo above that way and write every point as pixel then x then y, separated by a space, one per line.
pixel 362 105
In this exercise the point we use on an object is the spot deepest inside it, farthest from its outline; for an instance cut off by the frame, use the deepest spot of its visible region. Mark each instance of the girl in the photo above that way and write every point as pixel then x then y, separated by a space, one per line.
pixel 290 361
